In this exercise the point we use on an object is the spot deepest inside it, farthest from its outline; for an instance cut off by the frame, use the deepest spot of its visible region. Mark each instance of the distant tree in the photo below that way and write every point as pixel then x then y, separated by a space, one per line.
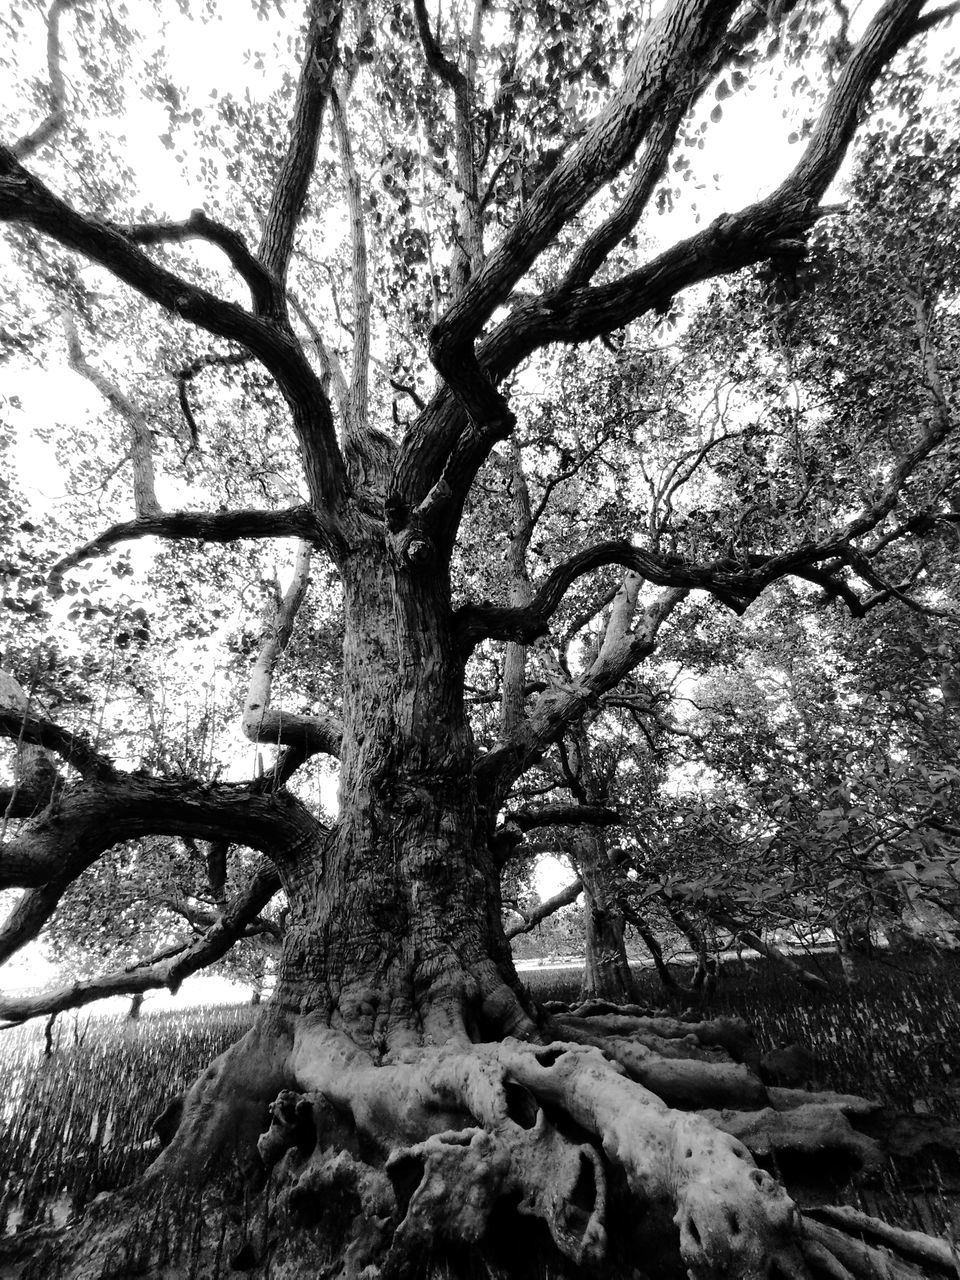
pixel 477 207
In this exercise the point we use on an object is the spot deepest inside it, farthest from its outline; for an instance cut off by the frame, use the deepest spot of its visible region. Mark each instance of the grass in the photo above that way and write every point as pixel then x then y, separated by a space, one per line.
pixel 77 1121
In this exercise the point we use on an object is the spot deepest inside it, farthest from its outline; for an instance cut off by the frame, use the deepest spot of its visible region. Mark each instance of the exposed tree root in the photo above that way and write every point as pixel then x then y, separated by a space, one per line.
pixel 380 1157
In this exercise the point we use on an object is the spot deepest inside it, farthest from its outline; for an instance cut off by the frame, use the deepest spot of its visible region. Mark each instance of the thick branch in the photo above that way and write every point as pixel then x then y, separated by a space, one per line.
pixel 296 169
pixel 89 819
pixel 72 748
pixel 28 916
pixel 563 815
pixel 204 526
pixel 264 289
pixel 441 454
pixel 680 42
pixel 166 971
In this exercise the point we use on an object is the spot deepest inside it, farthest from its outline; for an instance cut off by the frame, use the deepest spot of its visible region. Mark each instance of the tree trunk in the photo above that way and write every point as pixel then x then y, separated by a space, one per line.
pixel 606 971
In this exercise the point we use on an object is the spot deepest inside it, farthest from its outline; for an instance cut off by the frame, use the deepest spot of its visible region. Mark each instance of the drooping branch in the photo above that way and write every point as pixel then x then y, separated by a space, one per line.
pixel 771 952
pixel 204 526
pixel 305 735
pixel 723 578
pixel 141 437
pixel 536 915
pixel 166 970
pixel 190 371
pixel 17 722
pixel 91 818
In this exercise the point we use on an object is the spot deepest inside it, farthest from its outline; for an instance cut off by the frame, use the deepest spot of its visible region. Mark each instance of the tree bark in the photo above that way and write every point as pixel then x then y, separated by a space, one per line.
pixel 606 971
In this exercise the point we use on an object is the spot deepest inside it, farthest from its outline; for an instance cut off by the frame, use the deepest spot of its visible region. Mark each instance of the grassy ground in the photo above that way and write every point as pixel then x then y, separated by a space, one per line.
pixel 77 1121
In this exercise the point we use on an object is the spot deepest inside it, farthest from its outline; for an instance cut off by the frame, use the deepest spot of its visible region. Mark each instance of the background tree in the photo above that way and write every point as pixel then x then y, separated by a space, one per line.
pixel 400 1062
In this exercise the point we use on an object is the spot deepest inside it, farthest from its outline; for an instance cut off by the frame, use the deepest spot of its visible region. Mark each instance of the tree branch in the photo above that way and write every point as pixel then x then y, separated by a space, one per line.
pixel 165 970
pixel 53 121
pixel 724 578
pixel 72 748
pixel 467 248
pixel 442 452
pixel 296 169
pixel 678 44
pixel 563 815
pixel 24 199
pixel 557 708
pixel 141 438
pixel 204 526
pixel 536 915
pixel 307 735
pixel 265 291
pixel 90 818
pixel 28 917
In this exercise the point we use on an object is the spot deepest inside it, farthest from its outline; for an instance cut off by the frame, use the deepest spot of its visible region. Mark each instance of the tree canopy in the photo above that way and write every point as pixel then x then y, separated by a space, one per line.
pixel 440 417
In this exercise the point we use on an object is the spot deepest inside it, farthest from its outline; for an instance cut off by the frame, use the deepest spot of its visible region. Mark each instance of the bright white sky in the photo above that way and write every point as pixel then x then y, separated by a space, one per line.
pixel 747 154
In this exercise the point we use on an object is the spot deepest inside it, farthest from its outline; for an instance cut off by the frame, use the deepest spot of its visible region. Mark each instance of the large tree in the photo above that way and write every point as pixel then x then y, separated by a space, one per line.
pixel 495 166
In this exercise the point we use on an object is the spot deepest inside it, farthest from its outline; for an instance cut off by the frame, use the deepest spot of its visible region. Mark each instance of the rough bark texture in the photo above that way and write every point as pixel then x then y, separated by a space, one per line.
pixel 606 972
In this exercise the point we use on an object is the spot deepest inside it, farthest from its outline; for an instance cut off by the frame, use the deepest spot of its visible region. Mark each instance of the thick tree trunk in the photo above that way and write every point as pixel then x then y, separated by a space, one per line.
pixel 395 929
